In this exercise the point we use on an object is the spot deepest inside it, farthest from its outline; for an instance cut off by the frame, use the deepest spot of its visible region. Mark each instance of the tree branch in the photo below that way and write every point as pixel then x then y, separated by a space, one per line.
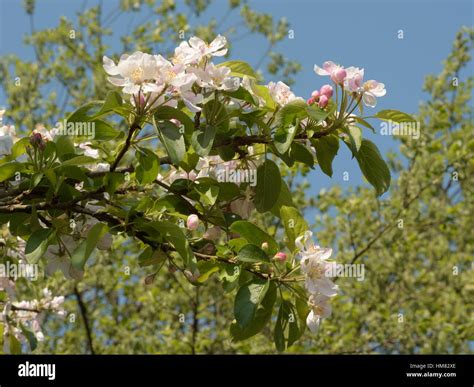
pixel 83 310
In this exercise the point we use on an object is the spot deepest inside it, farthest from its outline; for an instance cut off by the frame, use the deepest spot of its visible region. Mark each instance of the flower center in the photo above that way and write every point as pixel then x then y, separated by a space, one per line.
pixel 137 75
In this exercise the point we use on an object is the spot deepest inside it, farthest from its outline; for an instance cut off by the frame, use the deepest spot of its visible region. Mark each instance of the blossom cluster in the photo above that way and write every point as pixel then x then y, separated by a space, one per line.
pixel 315 266
pixel 152 80
pixel 351 79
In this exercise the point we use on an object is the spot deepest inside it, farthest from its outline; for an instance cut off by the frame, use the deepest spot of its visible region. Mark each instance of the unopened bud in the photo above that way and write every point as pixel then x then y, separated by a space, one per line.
pixel 280 256
pixel 192 222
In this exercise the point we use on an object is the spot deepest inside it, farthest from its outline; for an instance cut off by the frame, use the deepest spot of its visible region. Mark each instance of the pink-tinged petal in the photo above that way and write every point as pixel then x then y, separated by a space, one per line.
pixel 323 101
pixel 326 90
pixel 330 67
pixel 339 76
pixel 318 70
pixel 369 99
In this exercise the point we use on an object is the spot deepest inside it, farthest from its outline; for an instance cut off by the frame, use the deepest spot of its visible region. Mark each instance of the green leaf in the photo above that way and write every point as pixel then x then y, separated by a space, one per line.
pixel 174 234
pixel 373 167
pixel 316 113
pixel 150 257
pixel 284 199
pixel 216 115
pixel 37 244
pixel 15 345
pixel 394 115
pixel 242 94
pixel 189 161
pixel 239 68
pixel 326 150
pixel 112 101
pixel 104 131
pixel 299 109
pixel 254 235
pixel 263 92
pixel 32 340
pixel 84 250
pixel 288 113
pixel 167 112
pixel 208 190
pixel 261 318
pixel 148 167
pixel 354 134
pixel 202 140
pixel 207 269
pixel 7 170
pixel 301 154
pixel 252 253
pixel 268 186
pixel 284 137
pixel 19 148
pixel 81 114
pixel 294 223
pixel 288 327
pixel 364 123
pixel 78 160
pixel 64 146
pixel 248 299
pixel 172 139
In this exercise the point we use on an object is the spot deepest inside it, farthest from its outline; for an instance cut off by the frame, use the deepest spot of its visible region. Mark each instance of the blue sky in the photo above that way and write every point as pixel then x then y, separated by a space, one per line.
pixel 359 33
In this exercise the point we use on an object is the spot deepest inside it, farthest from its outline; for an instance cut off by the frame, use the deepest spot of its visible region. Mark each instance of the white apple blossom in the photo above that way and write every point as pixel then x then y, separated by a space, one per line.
pixel 354 78
pixel 99 167
pixel 88 150
pixel 134 72
pixel 195 49
pixel 336 72
pixel 372 90
pixel 281 93
pixel 320 308
pixel 214 77
pixel 315 266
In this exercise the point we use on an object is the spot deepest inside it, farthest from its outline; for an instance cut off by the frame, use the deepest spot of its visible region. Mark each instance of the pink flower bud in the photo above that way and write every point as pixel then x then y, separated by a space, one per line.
pixel 339 75
pixel 141 100
pixel 326 90
pixel 280 256
pixel 311 101
pixel 323 101
pixel 192 222
pixel 315 94
pixel 36 139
